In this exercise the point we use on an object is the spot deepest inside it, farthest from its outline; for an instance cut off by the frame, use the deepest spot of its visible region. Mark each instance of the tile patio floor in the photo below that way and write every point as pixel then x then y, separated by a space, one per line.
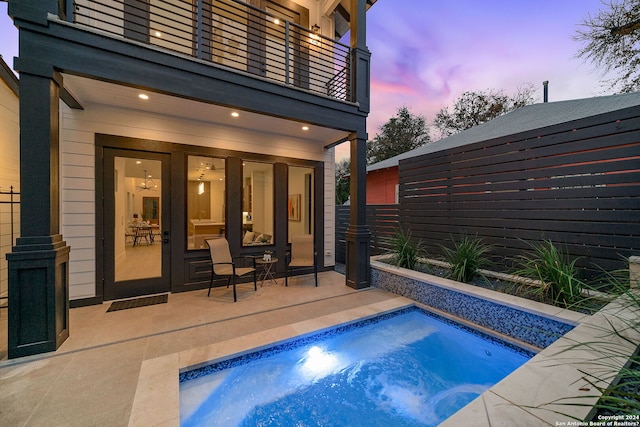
pixel 91 380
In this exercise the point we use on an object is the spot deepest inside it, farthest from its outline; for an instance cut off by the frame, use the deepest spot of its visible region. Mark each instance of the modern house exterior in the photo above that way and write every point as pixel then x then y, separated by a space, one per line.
pixel 9 168
pixel 150 126
pixel 383 179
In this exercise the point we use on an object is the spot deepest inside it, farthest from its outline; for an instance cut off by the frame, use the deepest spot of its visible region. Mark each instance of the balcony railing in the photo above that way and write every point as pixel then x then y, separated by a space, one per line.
pixel 230 33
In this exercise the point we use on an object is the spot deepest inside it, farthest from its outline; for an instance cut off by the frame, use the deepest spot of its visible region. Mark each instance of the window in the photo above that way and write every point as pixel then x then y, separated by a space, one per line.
pixel 300 201
pixel 205 200
pixel 257 203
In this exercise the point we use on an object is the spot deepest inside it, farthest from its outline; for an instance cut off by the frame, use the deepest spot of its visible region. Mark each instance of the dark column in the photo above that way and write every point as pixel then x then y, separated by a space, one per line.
pixel 360 56
pixel 358 236
pixel 233 184
pixel 281 192
pixel 38 265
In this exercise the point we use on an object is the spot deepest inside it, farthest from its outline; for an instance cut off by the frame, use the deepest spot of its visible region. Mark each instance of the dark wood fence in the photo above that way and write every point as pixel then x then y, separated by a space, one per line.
pixel 576 184
pixel 382 221
pixel 342 222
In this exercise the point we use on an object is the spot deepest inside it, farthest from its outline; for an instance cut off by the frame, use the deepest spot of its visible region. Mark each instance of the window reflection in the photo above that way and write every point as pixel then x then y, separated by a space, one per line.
pixel 300 201
pixel 257 203
pixel 205 200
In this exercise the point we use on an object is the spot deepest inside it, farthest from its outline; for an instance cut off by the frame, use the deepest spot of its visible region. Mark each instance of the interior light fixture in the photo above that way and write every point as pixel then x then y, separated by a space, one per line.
pixel 143 96
pixel 148 184
pixel 201 188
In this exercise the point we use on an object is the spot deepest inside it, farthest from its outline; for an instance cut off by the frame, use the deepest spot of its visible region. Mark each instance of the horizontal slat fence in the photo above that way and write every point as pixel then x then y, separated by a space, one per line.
pixel 342 222
pixel 576 184
pixel 382 221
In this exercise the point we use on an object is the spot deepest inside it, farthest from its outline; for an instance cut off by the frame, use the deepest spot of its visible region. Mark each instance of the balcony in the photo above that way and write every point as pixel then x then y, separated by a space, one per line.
pixel 228 33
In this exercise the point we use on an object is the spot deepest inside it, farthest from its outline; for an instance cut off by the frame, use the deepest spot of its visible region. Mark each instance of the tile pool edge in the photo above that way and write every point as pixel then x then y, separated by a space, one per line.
pixel 156 401
pixel 512 401
pixel 533 323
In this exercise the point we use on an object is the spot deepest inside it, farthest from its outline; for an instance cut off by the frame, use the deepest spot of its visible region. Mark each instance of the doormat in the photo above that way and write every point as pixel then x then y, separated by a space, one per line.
pixel 138 302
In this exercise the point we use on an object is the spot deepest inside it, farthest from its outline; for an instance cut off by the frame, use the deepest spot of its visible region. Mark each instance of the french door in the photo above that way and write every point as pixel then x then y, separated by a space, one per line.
pixel 135 223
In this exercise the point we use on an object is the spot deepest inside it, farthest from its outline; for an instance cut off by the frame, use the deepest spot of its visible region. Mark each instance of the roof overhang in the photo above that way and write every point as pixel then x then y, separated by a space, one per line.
pixel 260 129
pixel 8 76
pixel 342 17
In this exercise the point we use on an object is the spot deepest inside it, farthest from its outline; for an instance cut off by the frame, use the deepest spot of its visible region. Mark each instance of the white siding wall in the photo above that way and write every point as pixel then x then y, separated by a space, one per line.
pixel 78 129
pixel 9 174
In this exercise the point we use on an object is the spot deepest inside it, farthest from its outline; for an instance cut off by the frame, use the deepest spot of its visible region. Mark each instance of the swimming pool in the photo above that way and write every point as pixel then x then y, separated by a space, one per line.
pixel 403 368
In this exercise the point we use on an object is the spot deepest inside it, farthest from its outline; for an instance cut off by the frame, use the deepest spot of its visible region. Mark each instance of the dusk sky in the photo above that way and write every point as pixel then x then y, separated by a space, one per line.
pixel 426 53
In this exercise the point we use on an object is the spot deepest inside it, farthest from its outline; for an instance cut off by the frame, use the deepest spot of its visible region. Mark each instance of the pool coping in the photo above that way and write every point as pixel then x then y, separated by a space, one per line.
pixel 522 398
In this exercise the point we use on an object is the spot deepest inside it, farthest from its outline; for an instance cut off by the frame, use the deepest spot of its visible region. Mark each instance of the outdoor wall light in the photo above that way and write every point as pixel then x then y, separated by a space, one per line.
pixel 314 38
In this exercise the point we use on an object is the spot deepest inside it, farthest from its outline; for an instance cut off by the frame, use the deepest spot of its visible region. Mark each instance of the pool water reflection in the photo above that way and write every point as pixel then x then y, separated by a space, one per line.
pixel 407 368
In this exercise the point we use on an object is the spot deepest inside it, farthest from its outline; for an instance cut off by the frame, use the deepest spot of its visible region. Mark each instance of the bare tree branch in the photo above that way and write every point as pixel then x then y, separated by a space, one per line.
pixel 611 42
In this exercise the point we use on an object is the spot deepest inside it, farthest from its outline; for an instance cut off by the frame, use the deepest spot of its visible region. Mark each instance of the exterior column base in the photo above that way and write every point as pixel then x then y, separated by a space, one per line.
pixel 38 295
pixel 358 254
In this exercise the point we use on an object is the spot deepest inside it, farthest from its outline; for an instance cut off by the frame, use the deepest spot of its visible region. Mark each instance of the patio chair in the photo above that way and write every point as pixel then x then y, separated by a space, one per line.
pixel 302 254
pixel 222 265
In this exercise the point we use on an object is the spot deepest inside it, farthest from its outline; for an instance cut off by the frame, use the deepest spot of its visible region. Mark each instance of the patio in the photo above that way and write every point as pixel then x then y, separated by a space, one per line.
pixel 92 378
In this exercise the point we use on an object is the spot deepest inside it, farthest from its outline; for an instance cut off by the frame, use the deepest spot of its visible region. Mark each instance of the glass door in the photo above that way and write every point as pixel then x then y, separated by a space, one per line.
pixel 136 224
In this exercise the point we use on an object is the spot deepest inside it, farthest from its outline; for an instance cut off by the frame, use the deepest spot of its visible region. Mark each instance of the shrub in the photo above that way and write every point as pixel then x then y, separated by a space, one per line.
pixel 406 250
pixel 553 268
pixel 606 352
pixel 466 258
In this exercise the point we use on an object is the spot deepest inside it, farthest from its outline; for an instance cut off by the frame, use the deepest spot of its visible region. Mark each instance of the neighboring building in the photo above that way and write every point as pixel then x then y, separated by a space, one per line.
pixel 382 177
pixel 202 119
pixel 382 186
pixel 9 167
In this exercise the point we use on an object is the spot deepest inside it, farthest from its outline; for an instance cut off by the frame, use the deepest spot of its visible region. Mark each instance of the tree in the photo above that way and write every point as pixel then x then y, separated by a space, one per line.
pixel 400 134
pixel 342 181
pixel 611 41
pixel 475 108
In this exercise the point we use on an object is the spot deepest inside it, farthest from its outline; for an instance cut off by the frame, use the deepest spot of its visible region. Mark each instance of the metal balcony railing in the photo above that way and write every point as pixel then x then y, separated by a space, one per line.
pixel 230 33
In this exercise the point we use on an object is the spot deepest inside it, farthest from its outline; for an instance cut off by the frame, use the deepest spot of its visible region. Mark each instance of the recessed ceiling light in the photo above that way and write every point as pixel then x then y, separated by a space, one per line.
pixel 143 96
pixel 158 34
pixel 305 128
pixel 234 114
pixel 138 162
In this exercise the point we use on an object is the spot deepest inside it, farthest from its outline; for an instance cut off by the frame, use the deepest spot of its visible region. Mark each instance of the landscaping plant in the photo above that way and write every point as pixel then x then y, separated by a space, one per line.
pixel 557 273
pixel 605 355
pixel 466 258
pixel 406 250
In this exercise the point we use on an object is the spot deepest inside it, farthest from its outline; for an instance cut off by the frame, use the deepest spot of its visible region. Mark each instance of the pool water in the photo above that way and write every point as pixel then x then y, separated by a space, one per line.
pixel 403 369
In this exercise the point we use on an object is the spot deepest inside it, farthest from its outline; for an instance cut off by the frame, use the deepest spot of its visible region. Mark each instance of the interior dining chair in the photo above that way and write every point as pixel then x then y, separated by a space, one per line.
pixel 222 265
pixel 302 254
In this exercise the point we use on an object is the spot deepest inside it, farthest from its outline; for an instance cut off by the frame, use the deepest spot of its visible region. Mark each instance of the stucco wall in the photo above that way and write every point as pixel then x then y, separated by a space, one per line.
pixel 78 129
